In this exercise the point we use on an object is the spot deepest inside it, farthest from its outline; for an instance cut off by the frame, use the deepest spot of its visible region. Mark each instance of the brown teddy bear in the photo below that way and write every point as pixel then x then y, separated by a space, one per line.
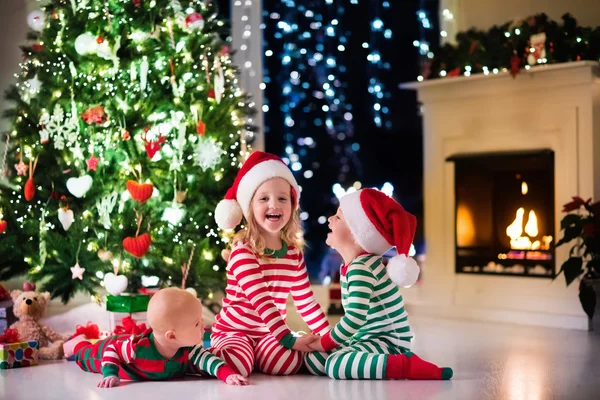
pixel 29 307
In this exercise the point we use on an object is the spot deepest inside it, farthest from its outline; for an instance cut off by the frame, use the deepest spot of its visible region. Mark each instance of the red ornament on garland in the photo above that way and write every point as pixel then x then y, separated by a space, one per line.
pixel 137 246
pixel 3 225
pixel 29 190
pixel 37 47
pixel 99 40
pixel 140 192
pixel 211 94
pixel 454 72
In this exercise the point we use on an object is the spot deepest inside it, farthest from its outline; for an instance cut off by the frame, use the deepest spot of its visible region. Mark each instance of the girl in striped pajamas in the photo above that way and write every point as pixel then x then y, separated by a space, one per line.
pixel 372 340
pixel 266 265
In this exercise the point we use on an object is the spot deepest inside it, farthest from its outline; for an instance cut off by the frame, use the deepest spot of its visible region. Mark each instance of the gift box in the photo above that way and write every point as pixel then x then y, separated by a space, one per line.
pixel 20 354
pixel 7 318
pixel 122 306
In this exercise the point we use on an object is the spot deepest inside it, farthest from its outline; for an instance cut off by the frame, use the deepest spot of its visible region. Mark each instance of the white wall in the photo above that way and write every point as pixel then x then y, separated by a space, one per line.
pixel 483 14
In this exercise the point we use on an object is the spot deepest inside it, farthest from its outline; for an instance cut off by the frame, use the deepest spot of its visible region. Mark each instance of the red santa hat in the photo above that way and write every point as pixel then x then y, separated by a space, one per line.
pixel 378 223
pixel 258 168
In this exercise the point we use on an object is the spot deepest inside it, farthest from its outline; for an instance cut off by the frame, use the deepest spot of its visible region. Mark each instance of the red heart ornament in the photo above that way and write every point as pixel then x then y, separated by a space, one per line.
pixel 137 246
pixel 3 225
pixel 140 191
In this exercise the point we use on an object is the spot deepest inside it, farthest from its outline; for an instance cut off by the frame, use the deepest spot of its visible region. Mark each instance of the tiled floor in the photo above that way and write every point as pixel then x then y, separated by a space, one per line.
pixel 490 361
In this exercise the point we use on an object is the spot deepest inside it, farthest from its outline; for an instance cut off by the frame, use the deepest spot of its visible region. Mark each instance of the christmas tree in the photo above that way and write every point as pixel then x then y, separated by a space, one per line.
pixel 128 127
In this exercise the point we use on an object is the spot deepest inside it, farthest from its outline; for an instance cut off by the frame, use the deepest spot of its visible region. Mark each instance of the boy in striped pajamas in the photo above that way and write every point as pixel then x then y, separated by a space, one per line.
pixel 372 340
pixel 166 350
pixel 266 265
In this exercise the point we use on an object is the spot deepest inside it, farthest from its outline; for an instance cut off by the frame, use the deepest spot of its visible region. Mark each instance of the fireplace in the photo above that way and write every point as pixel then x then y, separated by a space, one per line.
pixel 504 213
pixel 487 140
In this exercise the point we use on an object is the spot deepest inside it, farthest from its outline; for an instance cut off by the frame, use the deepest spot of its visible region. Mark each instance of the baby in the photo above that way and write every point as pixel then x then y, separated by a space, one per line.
pixel 162 352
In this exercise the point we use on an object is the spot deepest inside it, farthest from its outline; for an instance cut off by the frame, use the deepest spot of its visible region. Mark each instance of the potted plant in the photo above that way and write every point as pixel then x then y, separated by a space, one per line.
pixel 583 228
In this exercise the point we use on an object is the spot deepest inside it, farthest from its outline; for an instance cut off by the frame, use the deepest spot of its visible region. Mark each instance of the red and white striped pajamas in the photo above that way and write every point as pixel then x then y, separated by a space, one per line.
pixel 250 331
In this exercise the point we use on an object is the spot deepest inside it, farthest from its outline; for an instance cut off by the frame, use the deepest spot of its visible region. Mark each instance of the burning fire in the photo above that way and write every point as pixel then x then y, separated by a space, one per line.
pixel 515 232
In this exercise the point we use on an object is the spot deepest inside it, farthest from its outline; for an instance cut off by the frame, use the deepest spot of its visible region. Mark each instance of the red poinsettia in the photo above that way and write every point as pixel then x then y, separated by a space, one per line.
pixel 575 204
pixel 94 115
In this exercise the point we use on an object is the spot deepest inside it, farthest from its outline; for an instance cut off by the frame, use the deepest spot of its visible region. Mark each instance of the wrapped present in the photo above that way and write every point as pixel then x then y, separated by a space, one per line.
pixel 7 318
pixel 120 307
pixel 14 353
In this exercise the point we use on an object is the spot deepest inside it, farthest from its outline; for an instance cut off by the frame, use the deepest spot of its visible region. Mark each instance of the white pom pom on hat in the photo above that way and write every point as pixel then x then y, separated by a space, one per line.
pixel 378 223
pixel 257 169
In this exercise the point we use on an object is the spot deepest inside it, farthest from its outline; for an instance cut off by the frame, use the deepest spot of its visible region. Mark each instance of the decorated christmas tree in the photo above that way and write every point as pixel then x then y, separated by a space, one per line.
pixel 128 126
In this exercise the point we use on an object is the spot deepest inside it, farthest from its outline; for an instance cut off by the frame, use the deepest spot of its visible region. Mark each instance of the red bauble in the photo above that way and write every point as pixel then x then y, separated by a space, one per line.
pixel 99 40
pixel 29 190
pixel 201 128
pixel 3 225
pixel 515 65
pixel 140 192
pixel 137 246
pixel 211 93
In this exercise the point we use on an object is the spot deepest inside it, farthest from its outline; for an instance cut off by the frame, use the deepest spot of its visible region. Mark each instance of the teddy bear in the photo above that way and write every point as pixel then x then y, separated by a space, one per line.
pixel 29 307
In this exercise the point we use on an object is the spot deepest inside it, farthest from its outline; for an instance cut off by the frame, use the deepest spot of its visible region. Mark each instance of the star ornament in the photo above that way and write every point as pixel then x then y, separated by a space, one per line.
pixel 92 163
pixel 21 168
pixel 77 272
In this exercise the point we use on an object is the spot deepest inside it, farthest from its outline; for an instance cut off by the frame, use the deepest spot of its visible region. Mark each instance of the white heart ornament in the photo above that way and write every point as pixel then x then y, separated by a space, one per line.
pixel 115 284
pixel 66 218
pixel 78 187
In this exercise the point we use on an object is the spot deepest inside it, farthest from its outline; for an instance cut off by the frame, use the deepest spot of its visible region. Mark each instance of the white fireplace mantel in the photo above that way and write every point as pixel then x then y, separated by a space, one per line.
pixel 553 107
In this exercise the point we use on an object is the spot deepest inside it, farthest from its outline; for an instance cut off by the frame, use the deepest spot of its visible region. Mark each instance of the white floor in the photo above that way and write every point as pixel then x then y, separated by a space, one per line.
pixel 490 362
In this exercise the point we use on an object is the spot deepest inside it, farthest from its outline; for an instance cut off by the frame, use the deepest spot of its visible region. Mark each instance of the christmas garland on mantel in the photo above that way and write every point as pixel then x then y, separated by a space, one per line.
pixel 513 46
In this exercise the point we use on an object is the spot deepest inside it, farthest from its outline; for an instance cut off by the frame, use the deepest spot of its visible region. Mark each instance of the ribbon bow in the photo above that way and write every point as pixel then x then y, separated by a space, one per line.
pixel 129 327
pixel 10 336
pixel 90 331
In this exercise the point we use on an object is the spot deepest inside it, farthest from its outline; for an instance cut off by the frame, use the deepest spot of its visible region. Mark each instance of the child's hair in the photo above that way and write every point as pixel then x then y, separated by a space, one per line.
pixel 291 233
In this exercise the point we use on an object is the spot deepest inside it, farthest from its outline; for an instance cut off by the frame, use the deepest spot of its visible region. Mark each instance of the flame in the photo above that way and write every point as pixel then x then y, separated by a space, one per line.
pixel 515 229
pixel 524 188
pixel 531 228
pixel 465 227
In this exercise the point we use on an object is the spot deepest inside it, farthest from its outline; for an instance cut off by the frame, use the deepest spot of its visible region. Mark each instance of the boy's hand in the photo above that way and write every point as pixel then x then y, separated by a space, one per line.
pixel 237 380
pixel 109 381
pixel 317 346
pixel 302 343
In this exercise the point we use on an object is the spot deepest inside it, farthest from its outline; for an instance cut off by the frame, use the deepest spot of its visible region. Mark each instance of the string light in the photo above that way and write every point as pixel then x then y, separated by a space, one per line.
pixel 378 93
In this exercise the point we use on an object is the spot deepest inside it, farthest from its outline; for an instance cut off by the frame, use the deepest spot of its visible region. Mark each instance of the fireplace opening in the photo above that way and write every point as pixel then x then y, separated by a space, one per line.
pixel 504 217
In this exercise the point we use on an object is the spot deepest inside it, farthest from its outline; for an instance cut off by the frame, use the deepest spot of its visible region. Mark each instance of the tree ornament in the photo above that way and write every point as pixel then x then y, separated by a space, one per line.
pixel 104 255
pixel 208 153
pixel 92 163
pixel 152 147
pixel 105 207
pixel 78 187
pixel 77 272
pixel 99 40
pixel 36 20
pixel 86 44
pixel 65 216
pixel 3 225
pixel 219 81
pixel 29 190
pixel 194 21
pixel 137 246
pixel 125 134
pixel 21 168
pixel 94 115
pixel 59 127
pixel 115 284
pixel 201 128
pixel 140 192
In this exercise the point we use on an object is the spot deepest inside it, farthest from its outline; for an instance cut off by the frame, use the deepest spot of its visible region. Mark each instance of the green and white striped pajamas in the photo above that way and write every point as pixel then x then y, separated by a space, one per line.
pixel 375 324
